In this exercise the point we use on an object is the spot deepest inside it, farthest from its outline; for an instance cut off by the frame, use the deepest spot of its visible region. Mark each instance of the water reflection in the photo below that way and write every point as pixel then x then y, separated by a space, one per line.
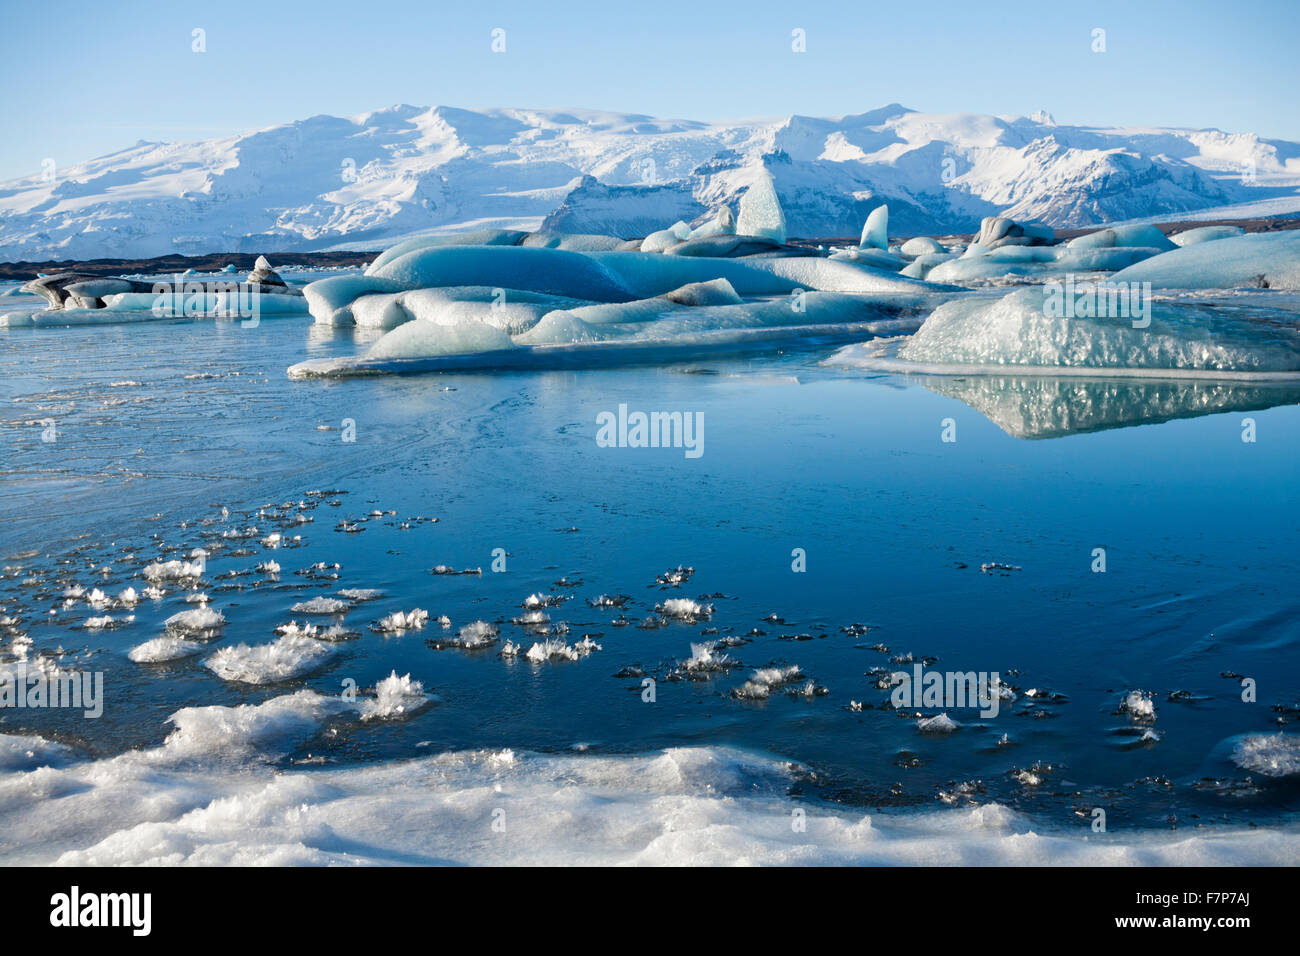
pixel 1027 406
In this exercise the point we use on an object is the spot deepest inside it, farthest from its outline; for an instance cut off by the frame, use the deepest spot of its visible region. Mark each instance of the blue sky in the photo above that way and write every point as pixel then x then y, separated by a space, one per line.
pixel 126 71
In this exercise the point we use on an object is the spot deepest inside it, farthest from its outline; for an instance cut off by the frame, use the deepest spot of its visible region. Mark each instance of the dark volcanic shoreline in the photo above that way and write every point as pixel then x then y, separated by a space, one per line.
pixel 212 262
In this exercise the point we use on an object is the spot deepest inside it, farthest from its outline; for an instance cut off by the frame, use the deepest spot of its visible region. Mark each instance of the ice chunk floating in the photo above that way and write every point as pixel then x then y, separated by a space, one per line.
pixel 1038 328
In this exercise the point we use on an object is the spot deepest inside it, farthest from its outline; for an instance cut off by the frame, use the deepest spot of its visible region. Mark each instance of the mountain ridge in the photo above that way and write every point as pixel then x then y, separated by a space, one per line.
pixel 366 181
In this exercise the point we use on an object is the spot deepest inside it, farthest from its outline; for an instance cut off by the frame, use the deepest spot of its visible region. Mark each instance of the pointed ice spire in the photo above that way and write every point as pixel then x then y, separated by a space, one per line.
pixel 875 233
pixel 263 274
pixel 760 211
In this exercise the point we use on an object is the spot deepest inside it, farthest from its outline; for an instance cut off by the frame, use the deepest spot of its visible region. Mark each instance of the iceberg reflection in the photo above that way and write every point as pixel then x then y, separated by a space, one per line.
pixel 1029 406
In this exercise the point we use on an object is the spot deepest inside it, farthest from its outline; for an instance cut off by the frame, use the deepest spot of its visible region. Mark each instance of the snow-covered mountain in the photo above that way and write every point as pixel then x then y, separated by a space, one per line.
pixel 367 180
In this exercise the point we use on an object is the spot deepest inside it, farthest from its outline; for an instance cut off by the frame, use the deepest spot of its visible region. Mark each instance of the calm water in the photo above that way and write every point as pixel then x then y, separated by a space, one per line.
pixel 1199 530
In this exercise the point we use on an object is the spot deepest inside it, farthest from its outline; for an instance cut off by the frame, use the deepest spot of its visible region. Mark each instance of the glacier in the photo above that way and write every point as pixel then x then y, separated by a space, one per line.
pixel 371 180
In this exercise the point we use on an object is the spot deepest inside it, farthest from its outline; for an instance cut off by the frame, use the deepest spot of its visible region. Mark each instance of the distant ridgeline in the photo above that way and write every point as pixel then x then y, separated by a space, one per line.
pixel 371 180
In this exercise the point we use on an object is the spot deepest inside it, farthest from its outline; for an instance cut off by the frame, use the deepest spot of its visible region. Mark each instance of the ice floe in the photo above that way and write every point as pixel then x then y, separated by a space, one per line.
pixel 552 650
pixel 322 605
pixel 169 647
pixel 684 609
pixel 765 680
pixel 292 655
pixel 173 570
pixel 1190 237
pixel 394 697
pixel 401 621
pixel 683 806
pixel 1274 755
pixel 199 620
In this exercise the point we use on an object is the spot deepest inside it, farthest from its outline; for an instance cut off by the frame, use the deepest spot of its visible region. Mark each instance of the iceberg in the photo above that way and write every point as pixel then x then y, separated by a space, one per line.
pixel 573 242
pixel 760 211
pixel 658 329
pixel 379 311
pixel 1149 237
pixel 997 231
pixel 1024 329
pixel 553 271
pixel 510 310
pixel 1191 237
pixel 473 237
pixel 875 231
pixel 716 292
pixel 202 303
pixel 264 274
pixel 651 275
pixel 329 300
pixel 666 238
pixel 425 338
pixel 516 280
pixel 1262 260
pixel 1030 262
pixel 920 246
pixel 923 265
pixel 874 258
pixel 78 290
pixel 723 224
pixel 521 306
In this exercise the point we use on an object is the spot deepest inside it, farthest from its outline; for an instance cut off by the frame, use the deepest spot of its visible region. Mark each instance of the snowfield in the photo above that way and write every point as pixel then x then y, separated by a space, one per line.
pixel 367 181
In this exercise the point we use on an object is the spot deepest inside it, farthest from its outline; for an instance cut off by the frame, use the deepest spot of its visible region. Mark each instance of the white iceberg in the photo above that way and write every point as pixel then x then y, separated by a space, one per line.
pixel 1190 237
pixel 875 231
pixel 1263 260
pixel 666 238
pixel 1027 328
pixel 760 211
pixel 423 338
pixel 1145 236
pixel 723 224
pixel 920 246
pixel 330 300
pixel 1030 262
